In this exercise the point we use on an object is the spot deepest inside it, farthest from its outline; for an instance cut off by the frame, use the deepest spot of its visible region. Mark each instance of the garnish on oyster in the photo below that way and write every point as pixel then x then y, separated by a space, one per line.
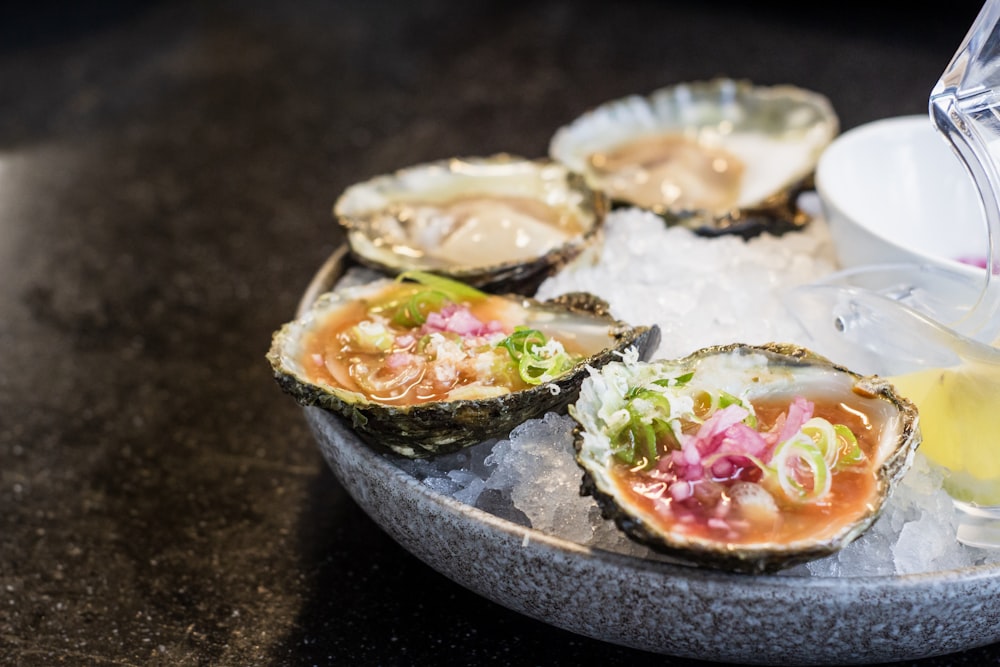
pixel 720 156
pixel 746 458
pixel 424 364
pixel 502 223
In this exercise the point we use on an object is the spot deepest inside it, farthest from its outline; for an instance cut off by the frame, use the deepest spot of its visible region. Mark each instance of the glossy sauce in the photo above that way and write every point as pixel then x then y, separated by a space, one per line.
pixel 850 494
pixel 332 357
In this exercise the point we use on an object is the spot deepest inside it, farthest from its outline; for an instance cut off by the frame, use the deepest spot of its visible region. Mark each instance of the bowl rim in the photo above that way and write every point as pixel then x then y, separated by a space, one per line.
pixel 509 550
pixel 845 144
pixel 323 280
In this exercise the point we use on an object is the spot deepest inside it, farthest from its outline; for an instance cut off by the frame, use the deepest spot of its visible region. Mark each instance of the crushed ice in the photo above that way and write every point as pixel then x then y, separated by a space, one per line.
pixel 700 292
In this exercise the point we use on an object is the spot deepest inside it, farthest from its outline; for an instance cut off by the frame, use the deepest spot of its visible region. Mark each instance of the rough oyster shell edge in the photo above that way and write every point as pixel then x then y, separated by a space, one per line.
pixel 891 469
pixel 428 429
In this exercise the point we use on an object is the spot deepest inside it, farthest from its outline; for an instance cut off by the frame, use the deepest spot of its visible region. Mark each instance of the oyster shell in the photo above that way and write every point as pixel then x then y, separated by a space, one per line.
pixel 428 368
pixel 716 459
pixel 500 223
pixel 720 156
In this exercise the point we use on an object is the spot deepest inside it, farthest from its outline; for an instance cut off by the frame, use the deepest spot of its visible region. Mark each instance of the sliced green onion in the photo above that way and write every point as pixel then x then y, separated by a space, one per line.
pixel 536 369
pixel 823 434
pixel 637 443
pixel 534 364
pixel 726 399
pixel 659 401
pixel 522 342
pixel 623 447
pixel 648 429
pixel 850 451
pixel 837 442
pixel 785 464
pixel 454 289
pixel 645 443
pixel 413 312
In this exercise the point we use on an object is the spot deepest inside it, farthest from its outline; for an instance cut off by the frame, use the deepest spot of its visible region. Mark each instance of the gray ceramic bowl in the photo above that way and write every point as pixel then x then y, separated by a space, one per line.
pixel 656 606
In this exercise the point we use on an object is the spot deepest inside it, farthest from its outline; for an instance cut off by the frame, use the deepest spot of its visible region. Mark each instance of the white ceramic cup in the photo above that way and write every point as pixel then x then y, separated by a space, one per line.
pixel 893 191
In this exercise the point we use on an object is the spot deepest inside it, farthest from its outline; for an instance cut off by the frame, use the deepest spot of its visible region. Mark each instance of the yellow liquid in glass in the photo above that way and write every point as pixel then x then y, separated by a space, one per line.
pixel 960 422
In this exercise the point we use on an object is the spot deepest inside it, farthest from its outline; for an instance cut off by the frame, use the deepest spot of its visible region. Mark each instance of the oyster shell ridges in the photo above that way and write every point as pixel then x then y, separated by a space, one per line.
pixel 500 174
pixel 712 111
pixel 757 559
pixel 426 429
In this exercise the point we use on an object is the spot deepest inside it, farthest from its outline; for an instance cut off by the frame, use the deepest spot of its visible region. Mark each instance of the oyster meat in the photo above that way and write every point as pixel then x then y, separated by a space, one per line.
pixel 501 223
pixel 745 458
pixel 720 156
pixel 425 365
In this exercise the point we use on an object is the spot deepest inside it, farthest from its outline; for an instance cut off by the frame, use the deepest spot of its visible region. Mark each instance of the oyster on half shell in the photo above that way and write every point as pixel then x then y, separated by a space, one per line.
pixel 745 458
pixel 720 156
pixel 432 366
pixel 500 223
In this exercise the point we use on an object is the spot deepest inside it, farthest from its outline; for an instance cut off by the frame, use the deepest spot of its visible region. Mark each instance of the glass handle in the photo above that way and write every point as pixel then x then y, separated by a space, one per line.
pixel 963 106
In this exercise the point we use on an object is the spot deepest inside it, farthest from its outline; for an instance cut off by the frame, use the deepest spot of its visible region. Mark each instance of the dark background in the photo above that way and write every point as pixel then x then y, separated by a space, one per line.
pixel 167 171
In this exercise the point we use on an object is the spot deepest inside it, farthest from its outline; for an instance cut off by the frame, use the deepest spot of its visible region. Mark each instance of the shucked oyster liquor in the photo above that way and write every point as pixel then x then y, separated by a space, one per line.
pixel 720 156
pixel 429 365
pixel 500 223
pixel 746 458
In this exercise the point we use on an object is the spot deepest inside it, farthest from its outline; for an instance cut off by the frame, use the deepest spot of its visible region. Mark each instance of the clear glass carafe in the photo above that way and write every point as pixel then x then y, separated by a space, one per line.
pixel 892 319
pixel 965 107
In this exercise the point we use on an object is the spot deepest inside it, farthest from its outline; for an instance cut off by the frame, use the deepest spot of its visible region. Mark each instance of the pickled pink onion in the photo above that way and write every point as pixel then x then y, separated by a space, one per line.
pixel 788 424
pixel 458 319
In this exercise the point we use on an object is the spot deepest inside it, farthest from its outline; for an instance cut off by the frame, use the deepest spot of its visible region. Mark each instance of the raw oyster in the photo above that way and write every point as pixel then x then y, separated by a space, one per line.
pixel 501 223
pixel 720 156
pixel 746 458
pixel 431 366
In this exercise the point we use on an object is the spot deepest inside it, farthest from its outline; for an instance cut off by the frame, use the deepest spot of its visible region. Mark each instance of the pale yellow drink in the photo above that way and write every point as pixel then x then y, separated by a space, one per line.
pixel 960 421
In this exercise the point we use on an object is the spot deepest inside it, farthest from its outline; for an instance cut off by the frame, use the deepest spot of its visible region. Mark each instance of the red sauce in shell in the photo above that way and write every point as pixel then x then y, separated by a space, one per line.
pixel 411 366
pixel 711 514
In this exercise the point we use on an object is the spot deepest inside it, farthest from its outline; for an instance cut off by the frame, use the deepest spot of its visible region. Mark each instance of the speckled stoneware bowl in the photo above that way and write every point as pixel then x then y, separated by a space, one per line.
pixel 657 606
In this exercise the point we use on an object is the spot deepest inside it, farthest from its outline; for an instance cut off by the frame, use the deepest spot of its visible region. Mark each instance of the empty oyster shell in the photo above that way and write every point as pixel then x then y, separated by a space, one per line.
pixel 746 458
pixel 720 156
pixel 433 366
pixel 501 223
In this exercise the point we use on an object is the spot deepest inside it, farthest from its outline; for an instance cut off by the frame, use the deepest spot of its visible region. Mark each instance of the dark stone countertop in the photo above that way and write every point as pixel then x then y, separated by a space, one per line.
pixel 167 172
